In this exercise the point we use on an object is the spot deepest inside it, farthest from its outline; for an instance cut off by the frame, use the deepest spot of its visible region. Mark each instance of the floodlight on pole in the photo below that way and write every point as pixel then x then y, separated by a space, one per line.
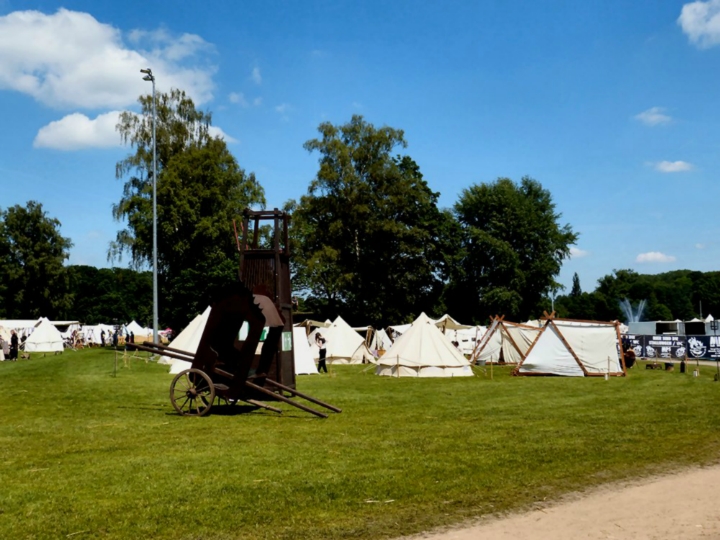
pixel 150 78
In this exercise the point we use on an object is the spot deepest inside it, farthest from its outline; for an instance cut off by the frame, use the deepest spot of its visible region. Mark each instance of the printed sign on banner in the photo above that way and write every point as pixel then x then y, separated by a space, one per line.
pixel 665 347
pixel 704 347
pixel 637 343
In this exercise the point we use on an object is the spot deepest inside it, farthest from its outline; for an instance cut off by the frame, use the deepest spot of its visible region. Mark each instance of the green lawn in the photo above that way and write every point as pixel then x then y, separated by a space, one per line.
pixel 84 454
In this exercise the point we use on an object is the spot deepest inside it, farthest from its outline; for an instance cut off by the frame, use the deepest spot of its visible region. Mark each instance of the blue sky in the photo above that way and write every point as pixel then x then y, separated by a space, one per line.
pixel 613 106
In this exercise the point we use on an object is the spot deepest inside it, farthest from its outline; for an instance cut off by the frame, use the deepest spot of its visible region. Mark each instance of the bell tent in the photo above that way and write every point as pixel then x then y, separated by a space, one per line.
pixel 423 351
pixel 45 338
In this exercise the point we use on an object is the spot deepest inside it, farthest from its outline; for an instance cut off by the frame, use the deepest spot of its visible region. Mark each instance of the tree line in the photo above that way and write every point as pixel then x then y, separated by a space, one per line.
pixel 680 294
pixel 369 240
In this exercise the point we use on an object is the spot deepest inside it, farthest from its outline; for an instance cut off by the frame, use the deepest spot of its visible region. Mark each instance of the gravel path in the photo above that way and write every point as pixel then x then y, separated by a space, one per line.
pixel 683 506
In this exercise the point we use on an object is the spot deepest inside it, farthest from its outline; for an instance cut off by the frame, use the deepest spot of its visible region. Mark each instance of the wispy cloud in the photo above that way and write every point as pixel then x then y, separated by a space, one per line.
pixel 654 257
pixel 673 166
pixel 282 108
pixel 238 98
pixel 255 76
pixel 257 101
pixel 700 246
pixel 76 131
pixel 577 253
pixel 701 22
pixel 654 116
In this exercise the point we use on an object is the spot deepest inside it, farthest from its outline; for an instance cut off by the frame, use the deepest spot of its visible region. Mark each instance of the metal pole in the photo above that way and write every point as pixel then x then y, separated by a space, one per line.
pixel 155 282
pixel 150 77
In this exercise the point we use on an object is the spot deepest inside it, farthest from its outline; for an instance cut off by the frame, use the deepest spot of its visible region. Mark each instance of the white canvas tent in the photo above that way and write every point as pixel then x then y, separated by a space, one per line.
pixel 344 345
pixel 511 339
pixel 141 334
pixel 423 352
pixel 575 349
pixel 304 363
pixel 188 341
pixel 45 338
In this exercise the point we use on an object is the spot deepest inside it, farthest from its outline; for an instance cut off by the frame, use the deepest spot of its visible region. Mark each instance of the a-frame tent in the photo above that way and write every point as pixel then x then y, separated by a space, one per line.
pixel 512 339
pixel 573 348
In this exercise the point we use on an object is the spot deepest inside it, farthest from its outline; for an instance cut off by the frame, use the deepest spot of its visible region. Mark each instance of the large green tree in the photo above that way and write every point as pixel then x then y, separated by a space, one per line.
pixel 200 190
pixel 512 250
pixel 33 282
pixel 109 295
pixel 369 239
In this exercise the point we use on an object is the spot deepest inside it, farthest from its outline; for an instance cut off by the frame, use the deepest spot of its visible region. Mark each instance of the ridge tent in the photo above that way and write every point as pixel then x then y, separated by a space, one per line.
pixel 344 345
pixel 45 338
pixel 423 351
pixel 304 363
pixel 512 339
pixel 188 341
pixel 575 349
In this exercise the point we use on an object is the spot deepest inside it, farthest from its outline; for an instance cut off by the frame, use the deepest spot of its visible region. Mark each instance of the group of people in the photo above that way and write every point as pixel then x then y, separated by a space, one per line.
pixel 10 349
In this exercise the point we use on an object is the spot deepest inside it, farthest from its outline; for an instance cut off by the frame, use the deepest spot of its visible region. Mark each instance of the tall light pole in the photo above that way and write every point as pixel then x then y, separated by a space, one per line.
pixel 149 77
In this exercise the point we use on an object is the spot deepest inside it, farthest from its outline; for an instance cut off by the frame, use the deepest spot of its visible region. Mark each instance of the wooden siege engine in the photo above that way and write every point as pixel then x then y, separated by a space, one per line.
pixel 246 349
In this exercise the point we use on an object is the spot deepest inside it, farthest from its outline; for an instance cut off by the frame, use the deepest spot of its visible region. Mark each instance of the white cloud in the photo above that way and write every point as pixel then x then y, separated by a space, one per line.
pixel 217 132
pixel 77 131
pixel 673 166
pixel 69 59
pixel 700 246
pixel 654 257
pixel 239 98
pixel 282 108
pixel 701 22
pixel 255 75
pixel 577 253
pixel 257 101
pixel 653 116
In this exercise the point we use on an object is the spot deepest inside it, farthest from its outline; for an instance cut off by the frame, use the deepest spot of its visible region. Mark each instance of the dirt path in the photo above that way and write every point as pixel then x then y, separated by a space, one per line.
pixel 680 506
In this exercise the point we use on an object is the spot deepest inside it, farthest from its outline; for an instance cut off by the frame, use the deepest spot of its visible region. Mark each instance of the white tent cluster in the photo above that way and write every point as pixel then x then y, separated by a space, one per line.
pixel 423 351
pixel 343 344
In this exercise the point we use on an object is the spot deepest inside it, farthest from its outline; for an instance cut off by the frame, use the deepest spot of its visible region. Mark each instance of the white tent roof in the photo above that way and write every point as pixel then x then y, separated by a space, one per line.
pixel 304 363
pixel 448 323
pixel 423 352
pixel 137 330
pixel 574 349
pixel 45 338
pixel 188 341
pixel 709 318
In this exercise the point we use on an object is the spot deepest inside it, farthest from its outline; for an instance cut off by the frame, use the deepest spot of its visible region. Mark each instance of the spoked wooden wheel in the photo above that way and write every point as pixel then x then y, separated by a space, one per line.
pixel 192 393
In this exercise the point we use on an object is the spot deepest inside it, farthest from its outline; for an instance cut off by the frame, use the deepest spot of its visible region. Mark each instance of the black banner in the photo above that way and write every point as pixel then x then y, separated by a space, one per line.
pixel 704 347
pixel 665 347
pixel 673 347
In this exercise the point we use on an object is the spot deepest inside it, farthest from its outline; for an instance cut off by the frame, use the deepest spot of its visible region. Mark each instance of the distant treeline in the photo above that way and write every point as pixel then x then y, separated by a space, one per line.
pixel 669 296
pixel 109 295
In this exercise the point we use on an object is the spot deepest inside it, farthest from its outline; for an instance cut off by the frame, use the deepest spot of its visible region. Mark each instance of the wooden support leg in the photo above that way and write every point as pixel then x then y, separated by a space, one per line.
pixel 284 399
pixel 304 396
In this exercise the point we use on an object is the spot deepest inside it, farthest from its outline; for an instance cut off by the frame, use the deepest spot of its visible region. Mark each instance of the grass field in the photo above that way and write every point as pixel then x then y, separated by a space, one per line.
pixel 84 454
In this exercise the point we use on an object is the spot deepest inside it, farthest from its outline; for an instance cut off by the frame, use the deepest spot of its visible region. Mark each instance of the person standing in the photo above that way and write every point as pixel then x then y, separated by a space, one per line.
pixel 321 342
pixel 13 345
pixel 102 337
